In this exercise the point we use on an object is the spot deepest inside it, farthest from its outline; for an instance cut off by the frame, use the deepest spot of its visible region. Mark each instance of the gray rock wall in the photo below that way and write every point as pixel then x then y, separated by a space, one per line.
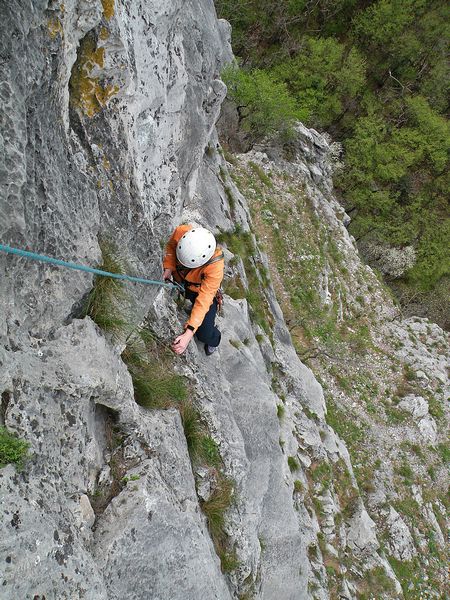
pixel 108 113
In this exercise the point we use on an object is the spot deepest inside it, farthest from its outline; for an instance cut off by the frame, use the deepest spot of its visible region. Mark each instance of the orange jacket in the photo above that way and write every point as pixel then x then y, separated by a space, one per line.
pixel 208 277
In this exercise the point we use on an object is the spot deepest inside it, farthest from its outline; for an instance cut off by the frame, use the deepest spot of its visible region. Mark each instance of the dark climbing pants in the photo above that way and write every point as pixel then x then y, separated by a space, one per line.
pixel 207 332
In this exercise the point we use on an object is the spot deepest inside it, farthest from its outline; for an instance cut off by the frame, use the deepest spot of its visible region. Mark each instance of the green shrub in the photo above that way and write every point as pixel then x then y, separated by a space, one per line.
pixel 264 105
pixel 298 486
pixel 280 411
pixel 193 430
pixel 293 464
pixel 12 449
pixel 210 451
pixel 151 368
pixel 214 510
pixel 104 303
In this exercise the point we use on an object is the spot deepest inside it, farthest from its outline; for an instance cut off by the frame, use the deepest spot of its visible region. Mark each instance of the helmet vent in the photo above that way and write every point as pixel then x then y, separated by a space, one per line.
pixel 193 260
pixel 204 256
pixel 209 246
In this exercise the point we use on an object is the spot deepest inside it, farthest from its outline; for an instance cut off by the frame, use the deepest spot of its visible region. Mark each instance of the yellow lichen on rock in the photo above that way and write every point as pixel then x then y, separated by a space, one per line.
pixel 86 92
pixel 108 8
pixel 104 33
pixel 54 27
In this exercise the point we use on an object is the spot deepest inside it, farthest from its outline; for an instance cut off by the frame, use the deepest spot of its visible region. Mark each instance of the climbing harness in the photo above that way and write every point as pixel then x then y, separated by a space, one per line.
pixel 70 265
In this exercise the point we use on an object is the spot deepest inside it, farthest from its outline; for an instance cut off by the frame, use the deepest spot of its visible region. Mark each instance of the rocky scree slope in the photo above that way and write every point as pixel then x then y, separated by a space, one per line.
pixel 385 377
pixel 108 113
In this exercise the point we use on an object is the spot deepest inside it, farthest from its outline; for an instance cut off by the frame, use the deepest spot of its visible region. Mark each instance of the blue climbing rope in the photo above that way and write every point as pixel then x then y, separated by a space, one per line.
pixel 70 265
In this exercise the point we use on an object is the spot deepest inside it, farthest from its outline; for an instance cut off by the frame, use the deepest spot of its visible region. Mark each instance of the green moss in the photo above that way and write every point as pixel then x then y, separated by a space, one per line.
pixel 13 450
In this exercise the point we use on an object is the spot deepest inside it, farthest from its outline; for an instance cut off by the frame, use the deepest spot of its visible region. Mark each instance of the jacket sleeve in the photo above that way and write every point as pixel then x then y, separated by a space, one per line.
pixel 170 257
pixel 210 284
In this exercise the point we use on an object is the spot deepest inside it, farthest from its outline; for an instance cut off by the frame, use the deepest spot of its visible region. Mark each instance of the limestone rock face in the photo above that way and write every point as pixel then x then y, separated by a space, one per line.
pixel 107 116
pixel 401 540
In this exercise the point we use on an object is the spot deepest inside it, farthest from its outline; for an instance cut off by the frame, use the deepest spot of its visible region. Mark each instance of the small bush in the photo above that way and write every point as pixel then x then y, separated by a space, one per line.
pixel 259 171
pixel 405 471
pixel 280 411
pixel 298 486
pixel 12 449
pixel 265 106
pixel 228 561
pixel 155 384
pixel 192 429
pixel 322 473
pixel 103 301
pixel 214 510
pixel 210 451
pixel 293 464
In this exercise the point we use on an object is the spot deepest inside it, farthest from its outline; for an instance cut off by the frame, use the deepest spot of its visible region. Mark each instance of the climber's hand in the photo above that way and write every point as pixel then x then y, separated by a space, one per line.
pixel 167 275
pixel 181 342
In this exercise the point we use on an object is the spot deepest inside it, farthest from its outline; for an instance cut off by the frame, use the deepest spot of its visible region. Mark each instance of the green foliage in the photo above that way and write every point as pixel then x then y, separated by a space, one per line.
pixel 323 78
pixel 214 510
pixel 241 244
pixel 408 573
pixel 155 385
pixel 376 74
pixel 192 427
pixel 377 582
pixel 405 471
pixel 298 486
pixel 12 449
pixel 264 105
pixel 210 451
pixel 293 464
pixel 265 179
pixel 322 473
pixel 104 302
pixel 280 411
pixel 127 478
pixel 444 452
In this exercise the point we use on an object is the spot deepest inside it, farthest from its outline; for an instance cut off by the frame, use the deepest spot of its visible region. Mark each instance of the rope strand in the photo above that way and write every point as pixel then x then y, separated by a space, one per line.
pixel 77 267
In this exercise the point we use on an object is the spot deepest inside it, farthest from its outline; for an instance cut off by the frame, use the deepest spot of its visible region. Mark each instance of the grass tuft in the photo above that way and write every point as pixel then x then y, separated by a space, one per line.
pixel 298 486
pixel 214 510
pixel 293 464
pixel 103 301
pixel 12 449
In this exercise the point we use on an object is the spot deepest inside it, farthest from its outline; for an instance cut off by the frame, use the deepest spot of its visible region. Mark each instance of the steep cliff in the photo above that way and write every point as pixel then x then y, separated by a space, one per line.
pixel 108 140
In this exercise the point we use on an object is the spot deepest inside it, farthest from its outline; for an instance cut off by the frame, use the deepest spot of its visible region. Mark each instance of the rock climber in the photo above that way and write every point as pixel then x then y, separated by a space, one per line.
pixel 193 259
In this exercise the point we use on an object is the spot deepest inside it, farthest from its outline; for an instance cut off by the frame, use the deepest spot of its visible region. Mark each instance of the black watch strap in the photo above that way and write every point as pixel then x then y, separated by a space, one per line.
pixel 190 327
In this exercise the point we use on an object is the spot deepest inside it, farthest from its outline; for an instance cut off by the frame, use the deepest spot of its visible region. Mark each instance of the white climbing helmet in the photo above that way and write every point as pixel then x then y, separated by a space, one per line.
pixel 196 247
